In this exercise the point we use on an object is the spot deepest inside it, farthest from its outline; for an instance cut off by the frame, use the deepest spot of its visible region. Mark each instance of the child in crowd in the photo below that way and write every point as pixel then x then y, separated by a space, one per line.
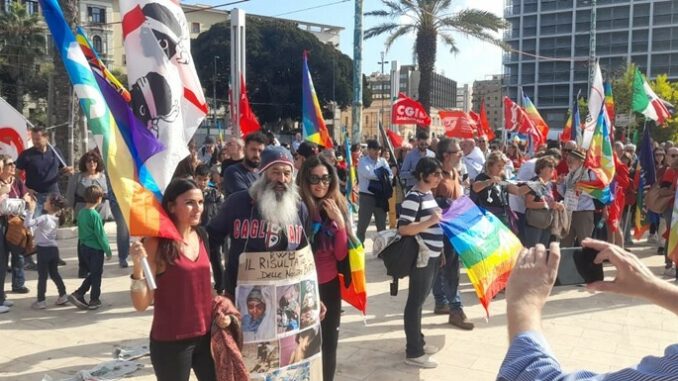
pixel 212 200
pixel 93 245
pixel 44 231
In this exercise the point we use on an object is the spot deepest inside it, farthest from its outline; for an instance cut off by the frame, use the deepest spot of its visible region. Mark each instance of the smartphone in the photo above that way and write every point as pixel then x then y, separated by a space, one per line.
pixel 577 267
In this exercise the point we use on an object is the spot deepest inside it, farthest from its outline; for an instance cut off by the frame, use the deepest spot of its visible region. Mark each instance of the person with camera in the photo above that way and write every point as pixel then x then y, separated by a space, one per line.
pixel 529 357
pixel 420 216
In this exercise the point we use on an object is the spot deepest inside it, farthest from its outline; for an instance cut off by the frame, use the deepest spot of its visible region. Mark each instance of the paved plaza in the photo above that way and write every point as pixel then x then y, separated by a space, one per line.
pixel 597 332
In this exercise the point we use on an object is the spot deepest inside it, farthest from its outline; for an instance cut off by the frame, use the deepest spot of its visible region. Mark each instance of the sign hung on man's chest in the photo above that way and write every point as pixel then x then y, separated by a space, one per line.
pixel 277 296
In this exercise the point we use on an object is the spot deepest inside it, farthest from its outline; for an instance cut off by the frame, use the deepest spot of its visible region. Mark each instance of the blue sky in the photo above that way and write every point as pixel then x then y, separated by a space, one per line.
pixel 475 61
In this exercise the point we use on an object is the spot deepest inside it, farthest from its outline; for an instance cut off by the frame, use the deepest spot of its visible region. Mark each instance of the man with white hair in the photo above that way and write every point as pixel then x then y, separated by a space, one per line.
pixel 474 160
pixel 268 216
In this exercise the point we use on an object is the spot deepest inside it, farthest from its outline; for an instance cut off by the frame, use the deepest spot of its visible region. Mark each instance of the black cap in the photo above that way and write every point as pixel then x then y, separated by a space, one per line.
pixel 307 149
pixel 373 144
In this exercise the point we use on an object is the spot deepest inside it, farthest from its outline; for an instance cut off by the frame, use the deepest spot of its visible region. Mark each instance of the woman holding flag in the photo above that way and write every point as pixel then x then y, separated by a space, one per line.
pixel 319 189
pixel 182 313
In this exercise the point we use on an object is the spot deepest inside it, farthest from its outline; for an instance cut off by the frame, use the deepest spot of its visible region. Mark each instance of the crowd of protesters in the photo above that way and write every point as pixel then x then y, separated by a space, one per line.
pixel 302 185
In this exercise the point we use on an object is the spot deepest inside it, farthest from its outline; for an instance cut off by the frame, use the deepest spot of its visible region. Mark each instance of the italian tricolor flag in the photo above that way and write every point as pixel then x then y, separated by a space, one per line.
pixel 646 102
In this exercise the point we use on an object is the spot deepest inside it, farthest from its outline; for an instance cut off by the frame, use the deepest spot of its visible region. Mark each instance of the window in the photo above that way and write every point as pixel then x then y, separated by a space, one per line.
pixel 195 27
pixel 98 45
pixel 96 15
pixel 31 6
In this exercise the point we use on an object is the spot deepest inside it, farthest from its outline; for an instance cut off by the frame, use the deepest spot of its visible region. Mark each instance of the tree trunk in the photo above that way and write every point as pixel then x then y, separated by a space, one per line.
pixel 426 57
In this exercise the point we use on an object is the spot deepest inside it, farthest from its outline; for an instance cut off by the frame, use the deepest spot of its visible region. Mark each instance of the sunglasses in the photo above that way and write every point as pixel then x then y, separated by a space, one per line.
pixel 315 180
pixel 674 155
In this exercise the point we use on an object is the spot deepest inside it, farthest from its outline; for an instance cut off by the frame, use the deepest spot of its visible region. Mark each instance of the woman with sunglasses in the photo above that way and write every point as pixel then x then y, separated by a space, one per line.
pixel 319 189
pixel 420 216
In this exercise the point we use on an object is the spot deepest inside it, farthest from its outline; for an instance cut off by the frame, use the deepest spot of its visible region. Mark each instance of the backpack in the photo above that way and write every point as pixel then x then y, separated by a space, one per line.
pixel 399 254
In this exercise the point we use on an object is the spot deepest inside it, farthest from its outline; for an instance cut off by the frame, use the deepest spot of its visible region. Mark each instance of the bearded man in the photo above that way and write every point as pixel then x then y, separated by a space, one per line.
pixel 268 216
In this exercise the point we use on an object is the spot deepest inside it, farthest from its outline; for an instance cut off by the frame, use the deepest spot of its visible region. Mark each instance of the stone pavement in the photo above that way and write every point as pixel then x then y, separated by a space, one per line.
pixel 598 332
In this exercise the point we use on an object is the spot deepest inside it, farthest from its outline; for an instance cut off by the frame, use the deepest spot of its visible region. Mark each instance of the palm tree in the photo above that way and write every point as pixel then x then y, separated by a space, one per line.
pixel 431 20
pixel 22 42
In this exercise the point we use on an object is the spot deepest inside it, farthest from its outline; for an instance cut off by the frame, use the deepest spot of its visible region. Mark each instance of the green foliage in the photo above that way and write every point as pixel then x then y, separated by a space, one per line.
pixel 623 93
pixel 274 68
pixel 22 42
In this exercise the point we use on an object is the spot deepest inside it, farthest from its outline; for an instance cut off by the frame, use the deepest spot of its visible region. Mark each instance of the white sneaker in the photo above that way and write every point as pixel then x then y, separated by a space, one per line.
pixel 8 303
pixel 430 349
pixel 4 309
pixel 63 299
pixel 39 305
pixel 423 361
pixel 670 272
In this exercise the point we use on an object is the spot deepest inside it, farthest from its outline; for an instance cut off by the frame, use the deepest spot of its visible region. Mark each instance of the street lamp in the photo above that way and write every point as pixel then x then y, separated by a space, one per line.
pixel 214 97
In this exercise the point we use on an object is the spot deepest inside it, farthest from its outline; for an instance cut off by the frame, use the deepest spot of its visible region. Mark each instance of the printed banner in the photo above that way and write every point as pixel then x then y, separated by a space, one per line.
pixel 277 296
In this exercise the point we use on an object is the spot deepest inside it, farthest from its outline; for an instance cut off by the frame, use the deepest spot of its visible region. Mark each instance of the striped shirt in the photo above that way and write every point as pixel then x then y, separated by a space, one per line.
pixel 529 358
pixel 419 206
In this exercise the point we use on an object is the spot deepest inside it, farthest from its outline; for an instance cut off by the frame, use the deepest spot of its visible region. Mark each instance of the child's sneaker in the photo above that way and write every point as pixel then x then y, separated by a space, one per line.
pixel 78 301
pixel 7 303
pixel 94 304
pixel 39 305
pixel 4 309
pixel 63 299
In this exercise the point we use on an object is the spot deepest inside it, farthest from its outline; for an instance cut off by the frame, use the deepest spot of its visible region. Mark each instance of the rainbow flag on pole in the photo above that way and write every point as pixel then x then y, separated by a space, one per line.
pixel 600 160
pixel 535 117
pixel 140 207
pixel 314 129
pixel 354 290
pixel 486 247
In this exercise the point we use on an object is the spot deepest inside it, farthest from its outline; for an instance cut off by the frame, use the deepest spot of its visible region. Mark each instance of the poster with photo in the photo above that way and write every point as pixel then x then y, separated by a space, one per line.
pixel 257 308
pixel 310 303
pixel 277 295
pixel 289 308
pixel 309 370
pixel 261 357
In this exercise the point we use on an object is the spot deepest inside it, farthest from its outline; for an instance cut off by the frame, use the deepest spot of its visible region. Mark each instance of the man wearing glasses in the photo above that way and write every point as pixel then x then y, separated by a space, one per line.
pixel 368 203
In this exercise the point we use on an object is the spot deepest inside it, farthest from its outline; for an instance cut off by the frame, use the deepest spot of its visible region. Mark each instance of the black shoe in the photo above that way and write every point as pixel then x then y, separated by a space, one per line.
pixel 94 304
pixel 21 290
pixel 78 301
pixel 124 265
pixel 31 266
pixel 61 262
pixel 660 251
pixel 82 275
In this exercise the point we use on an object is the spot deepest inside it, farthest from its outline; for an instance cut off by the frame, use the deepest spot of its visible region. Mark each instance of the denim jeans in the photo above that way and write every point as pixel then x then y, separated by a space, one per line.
pixel 17 266
pixel 122 233
pixel 48 262
pixel 535 235
pixel 446 284
pixel 93 260
pixel 41 198
pixel 522 223
pixel 421 280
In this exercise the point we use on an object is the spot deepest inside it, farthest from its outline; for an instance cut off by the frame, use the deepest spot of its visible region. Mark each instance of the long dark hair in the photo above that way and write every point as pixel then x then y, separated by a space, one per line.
pixel 333 192
pixel 169 249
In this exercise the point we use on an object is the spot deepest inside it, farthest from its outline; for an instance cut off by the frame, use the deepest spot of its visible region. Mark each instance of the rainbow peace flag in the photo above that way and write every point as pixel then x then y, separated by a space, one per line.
pixel 535 117
pixel 314 129
pixel 140 207
pixel 609 105
pixel 98 66
pixel 486 247
pixel 354 291
pixel 600 160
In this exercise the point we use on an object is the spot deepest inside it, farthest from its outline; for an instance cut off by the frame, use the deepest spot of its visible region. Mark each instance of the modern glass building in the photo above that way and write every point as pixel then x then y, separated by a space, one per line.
pixel 554 38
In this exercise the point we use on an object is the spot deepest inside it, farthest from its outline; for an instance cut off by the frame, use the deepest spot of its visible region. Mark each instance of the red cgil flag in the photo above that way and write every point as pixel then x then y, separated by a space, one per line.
pixel 458 124
pixel 408 111
pixel 248 121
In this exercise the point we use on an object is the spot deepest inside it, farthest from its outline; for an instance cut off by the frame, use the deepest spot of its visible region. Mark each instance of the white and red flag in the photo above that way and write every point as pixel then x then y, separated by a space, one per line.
pixel 166 92
pixel 15 136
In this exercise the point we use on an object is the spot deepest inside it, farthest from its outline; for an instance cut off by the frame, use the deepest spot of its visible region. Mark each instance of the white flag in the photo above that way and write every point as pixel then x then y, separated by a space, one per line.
pixel 14 131
pixel 166 92
pixel 595 104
